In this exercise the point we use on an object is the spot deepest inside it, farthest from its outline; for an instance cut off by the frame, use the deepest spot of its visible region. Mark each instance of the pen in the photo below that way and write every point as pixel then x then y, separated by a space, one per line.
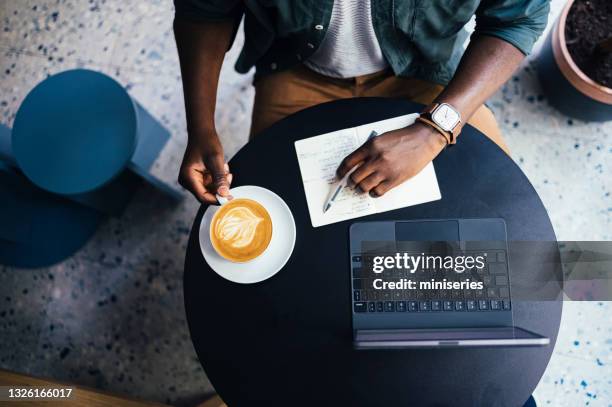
pixel 343 182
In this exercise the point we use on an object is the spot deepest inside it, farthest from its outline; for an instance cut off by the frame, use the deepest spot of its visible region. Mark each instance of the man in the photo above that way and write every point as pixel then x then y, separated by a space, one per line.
pixel 312 51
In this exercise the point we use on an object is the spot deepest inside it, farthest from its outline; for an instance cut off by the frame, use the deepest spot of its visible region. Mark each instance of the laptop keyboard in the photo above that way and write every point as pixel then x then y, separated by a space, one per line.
pixel 495 295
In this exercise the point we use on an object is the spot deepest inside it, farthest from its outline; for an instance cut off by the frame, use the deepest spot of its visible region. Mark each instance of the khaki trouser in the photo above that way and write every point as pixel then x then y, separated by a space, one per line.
pixel 280 94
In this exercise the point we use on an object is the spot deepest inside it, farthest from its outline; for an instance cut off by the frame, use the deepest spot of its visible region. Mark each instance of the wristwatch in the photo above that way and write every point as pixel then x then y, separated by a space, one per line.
pixel 444 118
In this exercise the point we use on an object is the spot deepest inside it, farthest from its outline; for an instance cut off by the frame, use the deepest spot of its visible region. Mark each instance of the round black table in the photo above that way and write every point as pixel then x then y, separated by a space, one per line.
pixel 287 341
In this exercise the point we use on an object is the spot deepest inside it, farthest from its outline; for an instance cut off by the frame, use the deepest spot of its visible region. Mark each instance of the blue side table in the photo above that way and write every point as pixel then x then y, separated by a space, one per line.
pixel 80 134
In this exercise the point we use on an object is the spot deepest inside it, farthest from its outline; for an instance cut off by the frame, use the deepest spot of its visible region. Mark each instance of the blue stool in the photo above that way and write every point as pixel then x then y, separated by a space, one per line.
pixel 38 228
pixel 80 134
pixel 6 151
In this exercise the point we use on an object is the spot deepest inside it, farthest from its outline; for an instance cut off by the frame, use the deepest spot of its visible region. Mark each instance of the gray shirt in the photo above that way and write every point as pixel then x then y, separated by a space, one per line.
pixel 350 47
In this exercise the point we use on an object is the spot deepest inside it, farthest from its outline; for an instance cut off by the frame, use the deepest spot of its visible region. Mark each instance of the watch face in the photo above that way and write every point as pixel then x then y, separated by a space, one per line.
pixel 446 117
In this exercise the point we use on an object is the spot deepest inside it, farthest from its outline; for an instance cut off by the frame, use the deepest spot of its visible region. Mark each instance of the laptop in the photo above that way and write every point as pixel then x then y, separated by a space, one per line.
pixel 404 295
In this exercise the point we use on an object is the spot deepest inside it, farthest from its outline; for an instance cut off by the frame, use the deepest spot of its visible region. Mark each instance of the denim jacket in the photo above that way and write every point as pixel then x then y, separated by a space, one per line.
pixel 419 38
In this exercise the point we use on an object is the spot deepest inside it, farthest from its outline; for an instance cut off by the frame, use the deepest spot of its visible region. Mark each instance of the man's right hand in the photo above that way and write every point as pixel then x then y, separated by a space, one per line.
pixel 204 171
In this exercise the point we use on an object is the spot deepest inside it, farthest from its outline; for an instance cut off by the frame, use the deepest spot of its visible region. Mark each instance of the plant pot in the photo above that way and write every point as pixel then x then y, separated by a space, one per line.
pixel 567 88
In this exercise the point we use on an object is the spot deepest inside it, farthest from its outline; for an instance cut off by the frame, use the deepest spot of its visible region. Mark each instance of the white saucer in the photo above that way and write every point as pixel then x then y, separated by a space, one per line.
pixel 276 255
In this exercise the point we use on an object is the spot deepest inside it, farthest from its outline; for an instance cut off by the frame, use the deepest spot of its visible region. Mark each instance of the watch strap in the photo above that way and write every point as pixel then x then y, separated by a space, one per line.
pixel 428 110
pixel 439 129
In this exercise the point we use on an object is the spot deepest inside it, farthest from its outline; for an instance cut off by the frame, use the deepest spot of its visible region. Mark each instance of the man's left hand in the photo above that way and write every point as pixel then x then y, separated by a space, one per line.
pixel 388 160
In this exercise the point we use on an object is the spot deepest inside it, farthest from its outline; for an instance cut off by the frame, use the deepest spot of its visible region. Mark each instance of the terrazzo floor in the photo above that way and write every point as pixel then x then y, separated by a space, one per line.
pixel 112 315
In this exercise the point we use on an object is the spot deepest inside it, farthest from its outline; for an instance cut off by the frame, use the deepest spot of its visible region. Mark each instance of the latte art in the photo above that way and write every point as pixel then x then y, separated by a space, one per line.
pixel 237 228
pixel 241 230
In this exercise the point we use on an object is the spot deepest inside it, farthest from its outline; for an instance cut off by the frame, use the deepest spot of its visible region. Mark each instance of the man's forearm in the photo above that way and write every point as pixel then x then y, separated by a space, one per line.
pixel 201 49
pixel 487 63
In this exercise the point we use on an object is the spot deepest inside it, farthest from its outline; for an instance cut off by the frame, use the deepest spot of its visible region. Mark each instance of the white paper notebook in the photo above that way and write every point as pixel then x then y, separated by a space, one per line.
pixel 320 156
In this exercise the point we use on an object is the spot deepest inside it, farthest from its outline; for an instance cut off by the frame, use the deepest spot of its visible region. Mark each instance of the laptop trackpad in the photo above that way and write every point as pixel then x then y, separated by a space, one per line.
pixel 434 230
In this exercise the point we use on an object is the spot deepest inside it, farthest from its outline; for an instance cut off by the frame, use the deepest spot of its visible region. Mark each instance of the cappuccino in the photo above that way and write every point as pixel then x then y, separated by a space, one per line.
pixel 241 230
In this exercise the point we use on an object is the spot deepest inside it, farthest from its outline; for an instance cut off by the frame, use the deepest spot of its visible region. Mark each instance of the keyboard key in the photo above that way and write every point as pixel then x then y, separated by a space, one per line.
pixel 389 306
pixel 357 259
pixel 360 307
pixel 501 280
pixel 357 284
pixel 436 305
pixel 400 306
pixel 459 306
pixel 483 305
pixel 501 257
pixel 413 306
pixel 504 293
pixel 470 305
pixel 492 293
pixel 497 268
pixel 495 305
pixel 380 306
pixel 397 294
pixel 358 272
pixel 506 304
pixel 424 306
pixel 371 306
pixel 386 295
pixel 357 295
pixel 448 305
